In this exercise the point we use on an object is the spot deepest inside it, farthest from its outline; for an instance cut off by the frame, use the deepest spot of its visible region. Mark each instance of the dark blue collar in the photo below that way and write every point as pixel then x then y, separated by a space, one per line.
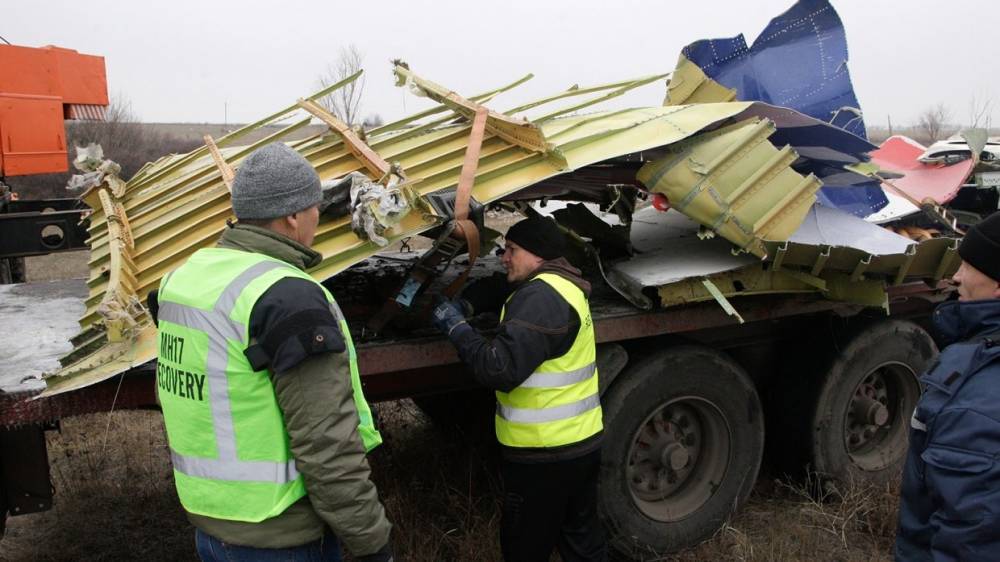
pixel 957 321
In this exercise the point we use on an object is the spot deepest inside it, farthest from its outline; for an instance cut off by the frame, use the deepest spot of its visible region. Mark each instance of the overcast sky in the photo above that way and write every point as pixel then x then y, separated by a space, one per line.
pixel 188 61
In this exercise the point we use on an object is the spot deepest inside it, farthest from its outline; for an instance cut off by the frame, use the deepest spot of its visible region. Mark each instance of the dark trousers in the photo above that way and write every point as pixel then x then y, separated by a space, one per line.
pixel 211 549
pixel 552 505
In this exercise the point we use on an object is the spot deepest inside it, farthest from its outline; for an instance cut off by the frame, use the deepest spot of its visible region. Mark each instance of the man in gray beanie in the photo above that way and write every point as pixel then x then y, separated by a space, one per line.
pixel 950 502
pixel 267 424
pixel 543 352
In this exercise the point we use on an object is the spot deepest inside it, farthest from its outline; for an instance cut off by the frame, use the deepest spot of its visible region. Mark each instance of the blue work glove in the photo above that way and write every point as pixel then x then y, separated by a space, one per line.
pixel 447 315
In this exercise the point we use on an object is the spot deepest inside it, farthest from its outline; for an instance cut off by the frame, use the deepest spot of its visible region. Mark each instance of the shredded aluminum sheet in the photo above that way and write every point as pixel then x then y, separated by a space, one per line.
pixel 669 250
pixel 824 226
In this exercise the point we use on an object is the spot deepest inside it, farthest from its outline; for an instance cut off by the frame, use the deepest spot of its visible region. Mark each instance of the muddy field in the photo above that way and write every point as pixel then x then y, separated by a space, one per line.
pixel 115 498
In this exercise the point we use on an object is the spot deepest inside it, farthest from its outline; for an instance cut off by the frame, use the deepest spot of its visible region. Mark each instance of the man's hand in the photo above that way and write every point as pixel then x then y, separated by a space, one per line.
pixel 447 315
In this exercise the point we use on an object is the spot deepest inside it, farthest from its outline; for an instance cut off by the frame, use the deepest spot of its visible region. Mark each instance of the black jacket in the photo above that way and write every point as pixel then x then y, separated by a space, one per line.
pixel 538 325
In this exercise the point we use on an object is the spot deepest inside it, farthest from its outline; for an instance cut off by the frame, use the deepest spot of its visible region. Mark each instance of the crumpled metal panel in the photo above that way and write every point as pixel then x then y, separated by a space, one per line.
pixel 758 280
pixel 832 253
pixel 937 181
pixel 921 180
pixel 148 226
pixel 825 151
pixel 736 183
pixel 832 240
pixel 798 61
pixel 669 250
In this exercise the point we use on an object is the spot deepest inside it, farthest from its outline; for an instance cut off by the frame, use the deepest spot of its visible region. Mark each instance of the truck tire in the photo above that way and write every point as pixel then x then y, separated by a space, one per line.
pixel 684 436
pixel 860 422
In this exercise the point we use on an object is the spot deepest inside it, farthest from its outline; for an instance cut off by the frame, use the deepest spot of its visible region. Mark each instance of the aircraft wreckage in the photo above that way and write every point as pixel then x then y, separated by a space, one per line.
pixel 752 193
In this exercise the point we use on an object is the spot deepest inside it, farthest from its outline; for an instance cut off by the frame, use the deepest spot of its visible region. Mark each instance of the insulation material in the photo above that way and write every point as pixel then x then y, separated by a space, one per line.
pixel 377 208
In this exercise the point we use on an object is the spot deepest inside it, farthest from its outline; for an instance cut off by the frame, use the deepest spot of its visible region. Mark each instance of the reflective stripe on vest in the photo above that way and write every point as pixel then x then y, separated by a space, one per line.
pixel 235 470
pixel 555 413
pixel 559 403
pixel 552 380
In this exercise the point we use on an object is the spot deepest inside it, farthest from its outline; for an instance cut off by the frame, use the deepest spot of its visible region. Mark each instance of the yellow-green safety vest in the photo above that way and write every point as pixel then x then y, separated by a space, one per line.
pixel 559 403
pixel 227 436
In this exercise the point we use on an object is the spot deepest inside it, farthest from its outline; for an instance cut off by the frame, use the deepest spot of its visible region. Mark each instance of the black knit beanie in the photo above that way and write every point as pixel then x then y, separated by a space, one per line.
pixel 981 246
pixel 540 236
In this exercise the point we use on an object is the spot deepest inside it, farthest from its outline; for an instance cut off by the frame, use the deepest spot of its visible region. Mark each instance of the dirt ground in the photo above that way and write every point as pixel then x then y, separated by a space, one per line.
pixel 115 498
pixel 115 501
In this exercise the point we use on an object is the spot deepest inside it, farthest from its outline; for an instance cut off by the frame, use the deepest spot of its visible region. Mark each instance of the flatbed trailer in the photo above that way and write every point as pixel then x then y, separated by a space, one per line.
pixel 686 393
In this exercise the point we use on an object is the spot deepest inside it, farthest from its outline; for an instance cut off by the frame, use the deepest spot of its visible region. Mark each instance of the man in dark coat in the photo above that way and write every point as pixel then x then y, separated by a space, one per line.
pixel 541 363
pixel 950 505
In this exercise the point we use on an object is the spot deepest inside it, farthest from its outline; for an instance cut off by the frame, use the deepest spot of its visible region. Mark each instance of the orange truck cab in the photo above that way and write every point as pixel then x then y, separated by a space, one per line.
pixel 39 89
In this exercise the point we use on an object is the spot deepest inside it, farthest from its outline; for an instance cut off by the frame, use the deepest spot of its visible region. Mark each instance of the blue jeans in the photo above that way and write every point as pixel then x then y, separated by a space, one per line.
pixel 211 549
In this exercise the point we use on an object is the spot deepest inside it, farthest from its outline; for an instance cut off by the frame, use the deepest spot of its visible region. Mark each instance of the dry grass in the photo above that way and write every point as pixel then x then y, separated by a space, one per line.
pixel 114 495
pixel 115 501
pixel 784 521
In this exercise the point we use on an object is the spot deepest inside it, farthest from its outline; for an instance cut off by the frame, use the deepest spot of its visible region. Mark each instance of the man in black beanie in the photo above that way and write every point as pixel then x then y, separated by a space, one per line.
pixel 950 504
pixel 541 363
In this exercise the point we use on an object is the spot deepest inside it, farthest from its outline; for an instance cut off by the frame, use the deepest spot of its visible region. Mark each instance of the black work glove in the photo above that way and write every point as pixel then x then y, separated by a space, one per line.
pixel 153 304
pixel 447 315
pixel 384 554
pixel 487 294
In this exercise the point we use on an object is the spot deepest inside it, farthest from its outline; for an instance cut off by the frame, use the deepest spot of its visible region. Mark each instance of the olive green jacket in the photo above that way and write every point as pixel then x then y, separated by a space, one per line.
pixel 316 399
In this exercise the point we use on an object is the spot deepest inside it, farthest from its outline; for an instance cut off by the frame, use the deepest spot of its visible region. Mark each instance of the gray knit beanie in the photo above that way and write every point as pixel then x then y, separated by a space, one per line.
pixel 274 181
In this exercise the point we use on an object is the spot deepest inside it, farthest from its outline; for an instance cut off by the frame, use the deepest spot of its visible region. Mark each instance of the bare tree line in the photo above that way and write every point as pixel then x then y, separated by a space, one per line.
pixel 345 102
pixel 935 122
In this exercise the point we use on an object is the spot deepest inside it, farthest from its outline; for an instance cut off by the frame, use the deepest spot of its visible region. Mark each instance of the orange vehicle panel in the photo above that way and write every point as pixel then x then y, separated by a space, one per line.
pixel 39 88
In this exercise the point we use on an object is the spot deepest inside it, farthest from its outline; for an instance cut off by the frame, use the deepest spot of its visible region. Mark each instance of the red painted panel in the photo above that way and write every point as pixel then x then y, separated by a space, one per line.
pixel 921 181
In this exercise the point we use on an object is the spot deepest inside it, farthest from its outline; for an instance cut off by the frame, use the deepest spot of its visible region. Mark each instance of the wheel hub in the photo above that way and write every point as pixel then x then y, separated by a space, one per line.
pixel 663 452
pixel 875 425
pixel 677 458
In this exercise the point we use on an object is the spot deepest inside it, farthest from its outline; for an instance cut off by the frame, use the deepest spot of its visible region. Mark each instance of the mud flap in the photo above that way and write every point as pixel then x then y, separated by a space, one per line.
pixel 25 486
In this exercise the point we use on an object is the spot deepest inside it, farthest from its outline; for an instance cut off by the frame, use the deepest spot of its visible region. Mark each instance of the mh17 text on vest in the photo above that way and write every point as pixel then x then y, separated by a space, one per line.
pixel 170 377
